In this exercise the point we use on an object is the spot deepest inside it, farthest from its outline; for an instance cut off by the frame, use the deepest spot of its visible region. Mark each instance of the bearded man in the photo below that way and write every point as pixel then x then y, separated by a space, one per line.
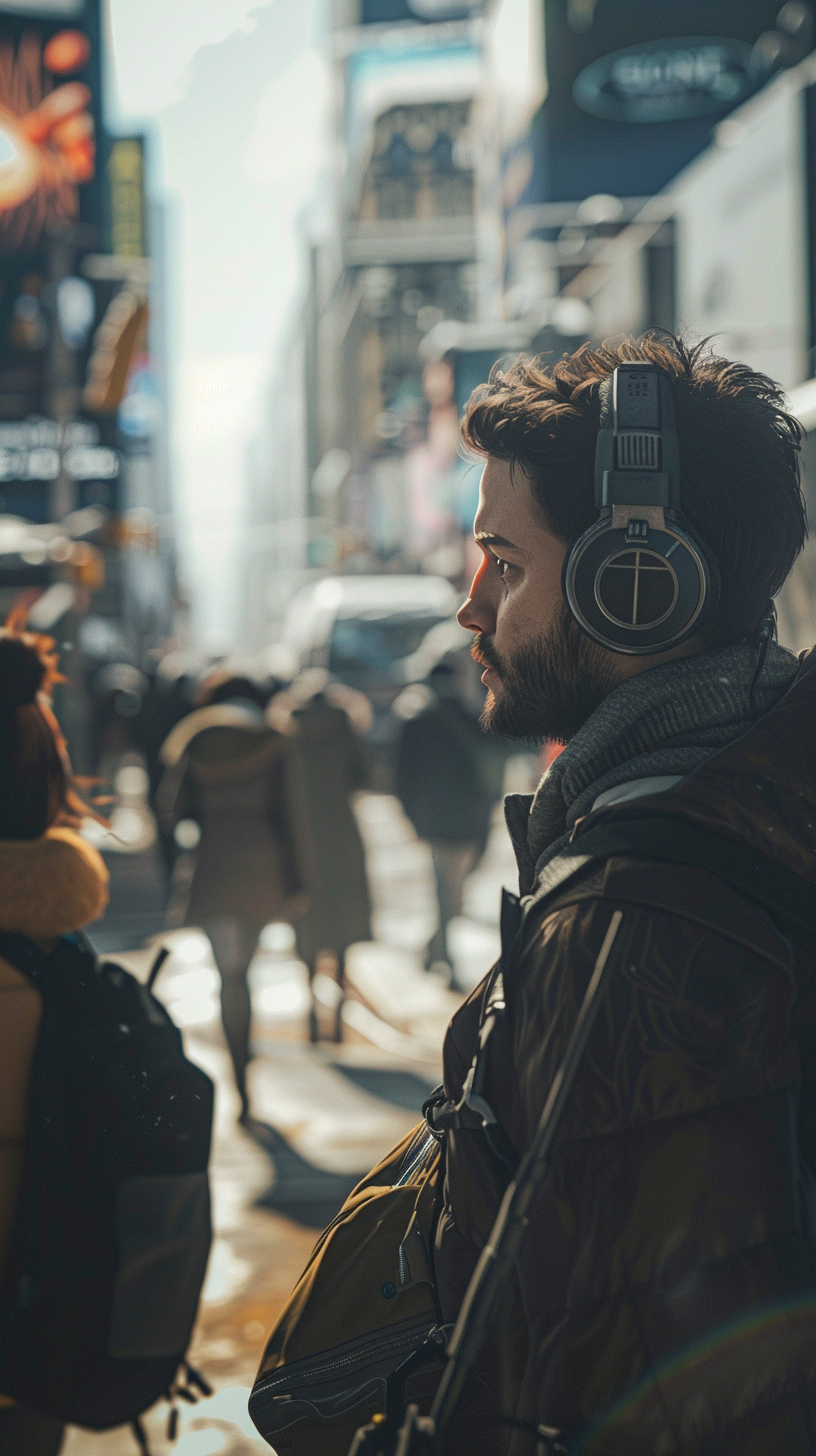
pixel 664 1298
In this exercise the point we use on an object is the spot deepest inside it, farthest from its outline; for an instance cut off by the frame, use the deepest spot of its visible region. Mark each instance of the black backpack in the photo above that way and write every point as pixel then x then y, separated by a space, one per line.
pixel 112 1231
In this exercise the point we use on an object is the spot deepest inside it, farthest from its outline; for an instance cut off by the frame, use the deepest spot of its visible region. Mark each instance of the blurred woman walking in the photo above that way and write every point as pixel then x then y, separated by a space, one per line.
pixel 225 770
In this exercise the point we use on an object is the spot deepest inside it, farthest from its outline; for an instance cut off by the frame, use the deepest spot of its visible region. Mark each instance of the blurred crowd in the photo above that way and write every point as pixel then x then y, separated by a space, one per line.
pixel 249 772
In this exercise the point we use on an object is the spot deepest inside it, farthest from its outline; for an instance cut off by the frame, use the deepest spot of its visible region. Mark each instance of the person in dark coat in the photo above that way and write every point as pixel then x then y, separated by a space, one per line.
pixel 448 778
pixel 327 766
pixel 225 769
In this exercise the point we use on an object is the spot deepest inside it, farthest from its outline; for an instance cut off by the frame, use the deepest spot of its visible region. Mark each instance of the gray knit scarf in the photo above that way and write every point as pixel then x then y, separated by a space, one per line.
pixel 667 720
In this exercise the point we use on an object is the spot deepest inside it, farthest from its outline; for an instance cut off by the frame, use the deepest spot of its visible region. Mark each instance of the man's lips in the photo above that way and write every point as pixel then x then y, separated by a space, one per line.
pixel 484 661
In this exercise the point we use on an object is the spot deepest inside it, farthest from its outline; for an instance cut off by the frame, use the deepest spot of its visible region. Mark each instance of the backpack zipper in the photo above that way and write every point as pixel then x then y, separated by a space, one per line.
pixel 380 1344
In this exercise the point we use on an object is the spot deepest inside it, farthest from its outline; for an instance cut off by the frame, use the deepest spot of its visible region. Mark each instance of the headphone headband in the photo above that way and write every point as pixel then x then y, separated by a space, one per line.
pixel 637 461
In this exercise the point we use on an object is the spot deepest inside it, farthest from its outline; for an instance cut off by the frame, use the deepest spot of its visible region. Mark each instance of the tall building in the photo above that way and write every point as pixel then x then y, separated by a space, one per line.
pixel 78 406
pixel 427 93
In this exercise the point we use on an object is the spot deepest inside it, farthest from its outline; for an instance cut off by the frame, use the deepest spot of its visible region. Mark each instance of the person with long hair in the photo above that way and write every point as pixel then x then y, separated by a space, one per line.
pixel 52 882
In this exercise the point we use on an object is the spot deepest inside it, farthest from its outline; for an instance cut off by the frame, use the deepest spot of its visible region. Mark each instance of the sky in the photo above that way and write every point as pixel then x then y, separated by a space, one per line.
pixel 234 95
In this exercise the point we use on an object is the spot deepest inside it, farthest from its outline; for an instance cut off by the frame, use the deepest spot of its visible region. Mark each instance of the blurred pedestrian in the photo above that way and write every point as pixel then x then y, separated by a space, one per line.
pixel 328 764
pixel 448 777
pixel 225 770
pixel 52 882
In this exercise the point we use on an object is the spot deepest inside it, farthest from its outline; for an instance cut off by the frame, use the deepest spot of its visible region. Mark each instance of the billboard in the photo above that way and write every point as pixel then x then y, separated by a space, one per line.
pixel 53 204
pixel 635 87
pixel 50 83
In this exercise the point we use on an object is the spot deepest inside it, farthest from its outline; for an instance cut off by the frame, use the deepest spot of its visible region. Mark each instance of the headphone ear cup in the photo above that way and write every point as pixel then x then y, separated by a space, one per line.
pixel 639 594
pixel 712 597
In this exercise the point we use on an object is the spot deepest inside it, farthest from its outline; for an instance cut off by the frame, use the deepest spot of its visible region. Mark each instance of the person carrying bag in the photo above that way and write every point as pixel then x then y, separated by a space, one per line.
pixel 644 1278
pixel 104 1124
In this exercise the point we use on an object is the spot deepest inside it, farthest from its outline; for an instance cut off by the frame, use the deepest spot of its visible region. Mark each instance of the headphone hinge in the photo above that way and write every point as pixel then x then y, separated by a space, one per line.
pixel 653 516
pixel 635 487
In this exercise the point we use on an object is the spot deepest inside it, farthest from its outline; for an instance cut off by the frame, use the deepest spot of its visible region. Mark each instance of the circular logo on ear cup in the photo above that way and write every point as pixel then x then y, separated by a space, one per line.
pixel 639 596
pixel 636 588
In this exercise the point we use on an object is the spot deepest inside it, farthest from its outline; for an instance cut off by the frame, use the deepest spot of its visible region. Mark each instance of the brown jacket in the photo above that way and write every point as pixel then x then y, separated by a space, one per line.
pixel 48 887
pixel 665 1296
pixel 226 769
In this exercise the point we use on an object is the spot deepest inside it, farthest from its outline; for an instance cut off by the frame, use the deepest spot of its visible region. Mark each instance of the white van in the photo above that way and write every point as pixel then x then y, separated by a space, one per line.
pixel 361 627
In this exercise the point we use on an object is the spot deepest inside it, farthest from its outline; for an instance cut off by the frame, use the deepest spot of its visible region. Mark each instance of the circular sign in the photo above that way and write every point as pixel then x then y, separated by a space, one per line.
pixel 667 80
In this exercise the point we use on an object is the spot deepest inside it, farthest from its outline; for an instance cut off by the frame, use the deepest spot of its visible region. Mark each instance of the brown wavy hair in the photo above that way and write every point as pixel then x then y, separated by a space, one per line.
pixel 739 456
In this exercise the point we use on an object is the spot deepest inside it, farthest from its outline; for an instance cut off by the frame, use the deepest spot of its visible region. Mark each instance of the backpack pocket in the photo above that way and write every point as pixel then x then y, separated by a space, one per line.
pixel 163 1238
pixel 317 1403
pixel 365 1301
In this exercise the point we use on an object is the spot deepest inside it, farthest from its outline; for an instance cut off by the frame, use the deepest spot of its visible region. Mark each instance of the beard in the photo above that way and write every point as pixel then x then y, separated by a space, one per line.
pixel 549 687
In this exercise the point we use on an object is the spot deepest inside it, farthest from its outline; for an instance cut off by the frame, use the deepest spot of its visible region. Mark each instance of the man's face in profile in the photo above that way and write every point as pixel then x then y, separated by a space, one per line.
pixel 543 674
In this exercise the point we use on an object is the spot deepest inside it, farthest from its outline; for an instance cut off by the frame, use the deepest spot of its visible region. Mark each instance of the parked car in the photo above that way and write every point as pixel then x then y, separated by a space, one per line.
pixel 359 627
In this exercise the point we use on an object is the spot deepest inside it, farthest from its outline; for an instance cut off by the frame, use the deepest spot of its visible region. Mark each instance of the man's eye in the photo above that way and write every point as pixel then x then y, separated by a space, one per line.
pixel 502 567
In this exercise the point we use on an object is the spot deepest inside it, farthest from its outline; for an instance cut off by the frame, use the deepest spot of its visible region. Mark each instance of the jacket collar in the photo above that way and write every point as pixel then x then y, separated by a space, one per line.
pixel 665 723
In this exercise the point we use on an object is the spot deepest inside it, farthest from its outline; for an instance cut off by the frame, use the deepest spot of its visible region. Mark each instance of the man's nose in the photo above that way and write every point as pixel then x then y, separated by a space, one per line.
pixel 478 613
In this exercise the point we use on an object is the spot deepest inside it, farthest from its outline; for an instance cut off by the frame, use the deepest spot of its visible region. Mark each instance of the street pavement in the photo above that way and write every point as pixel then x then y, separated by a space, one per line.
pixel 324 1114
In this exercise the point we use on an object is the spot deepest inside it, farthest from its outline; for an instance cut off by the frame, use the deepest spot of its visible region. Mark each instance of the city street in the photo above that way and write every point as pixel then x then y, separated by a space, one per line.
pixel 388 387
pixel 331 1110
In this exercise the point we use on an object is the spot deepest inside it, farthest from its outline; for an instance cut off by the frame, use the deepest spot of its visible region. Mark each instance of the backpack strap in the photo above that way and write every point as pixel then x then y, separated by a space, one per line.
pixel 493 1269
pixel 439 1112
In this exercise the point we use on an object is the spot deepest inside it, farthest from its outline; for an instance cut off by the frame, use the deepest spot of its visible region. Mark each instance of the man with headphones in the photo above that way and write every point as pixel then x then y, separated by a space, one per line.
pixel 640 508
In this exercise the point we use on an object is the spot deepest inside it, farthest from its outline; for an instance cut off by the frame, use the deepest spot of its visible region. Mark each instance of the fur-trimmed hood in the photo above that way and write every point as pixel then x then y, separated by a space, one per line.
pixel 216 715
pixel 51 886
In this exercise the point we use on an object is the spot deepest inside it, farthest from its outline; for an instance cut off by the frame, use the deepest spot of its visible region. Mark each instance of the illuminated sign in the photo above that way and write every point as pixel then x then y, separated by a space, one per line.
pixel 47 146
pixel 34 449
pixel 667 80
pixel 127 206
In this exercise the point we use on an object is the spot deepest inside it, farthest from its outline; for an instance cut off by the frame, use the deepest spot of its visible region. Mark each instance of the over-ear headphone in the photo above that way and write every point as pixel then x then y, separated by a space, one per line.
pixel 637 581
